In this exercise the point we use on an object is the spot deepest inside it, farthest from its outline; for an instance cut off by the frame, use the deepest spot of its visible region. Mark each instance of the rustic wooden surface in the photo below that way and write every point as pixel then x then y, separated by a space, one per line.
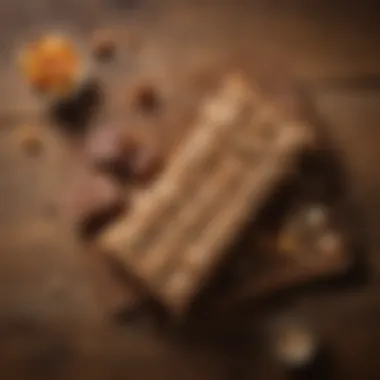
pixel 54 295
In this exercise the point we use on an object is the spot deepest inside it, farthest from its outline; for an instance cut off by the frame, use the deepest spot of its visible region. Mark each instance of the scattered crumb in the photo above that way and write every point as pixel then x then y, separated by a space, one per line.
pixel 29 138
pixel 104 45
pixel 146 99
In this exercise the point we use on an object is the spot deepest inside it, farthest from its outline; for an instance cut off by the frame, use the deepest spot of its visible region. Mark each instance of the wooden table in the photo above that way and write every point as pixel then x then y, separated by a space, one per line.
pixel 51 282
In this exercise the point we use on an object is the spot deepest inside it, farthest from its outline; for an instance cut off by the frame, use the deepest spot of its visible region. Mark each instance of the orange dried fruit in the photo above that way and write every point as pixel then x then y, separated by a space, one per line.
pixel 52 65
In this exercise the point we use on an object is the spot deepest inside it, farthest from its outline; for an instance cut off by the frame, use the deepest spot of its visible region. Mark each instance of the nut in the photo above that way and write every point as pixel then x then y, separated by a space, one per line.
pixel 104 45
pixel 29 139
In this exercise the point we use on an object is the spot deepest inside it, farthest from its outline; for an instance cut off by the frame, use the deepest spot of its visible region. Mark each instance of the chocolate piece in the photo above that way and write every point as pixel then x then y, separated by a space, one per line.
pixel 30 140
pixel 146 99
pixel 181 228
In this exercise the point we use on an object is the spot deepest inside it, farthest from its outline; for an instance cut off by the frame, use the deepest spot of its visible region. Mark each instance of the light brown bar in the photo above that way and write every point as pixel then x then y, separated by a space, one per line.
pixel 180 229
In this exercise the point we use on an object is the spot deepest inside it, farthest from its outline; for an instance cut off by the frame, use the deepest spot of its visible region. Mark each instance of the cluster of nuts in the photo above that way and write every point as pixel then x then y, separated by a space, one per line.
pixel 310 230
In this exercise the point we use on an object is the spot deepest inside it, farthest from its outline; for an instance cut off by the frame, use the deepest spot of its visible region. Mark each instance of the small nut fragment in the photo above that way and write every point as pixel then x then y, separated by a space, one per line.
pixel 104 45
pixel 29 139
pixel 146 99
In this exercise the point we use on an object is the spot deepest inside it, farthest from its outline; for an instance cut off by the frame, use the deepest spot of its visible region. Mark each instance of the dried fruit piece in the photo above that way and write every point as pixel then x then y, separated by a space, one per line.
pixel 29 138
pixel 53 65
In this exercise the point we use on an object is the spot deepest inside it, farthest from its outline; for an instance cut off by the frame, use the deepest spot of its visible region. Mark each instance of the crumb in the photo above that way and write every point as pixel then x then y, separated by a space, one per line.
pixel 295 345
pixel 104 45
pixel 30 140
pixel 146 99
